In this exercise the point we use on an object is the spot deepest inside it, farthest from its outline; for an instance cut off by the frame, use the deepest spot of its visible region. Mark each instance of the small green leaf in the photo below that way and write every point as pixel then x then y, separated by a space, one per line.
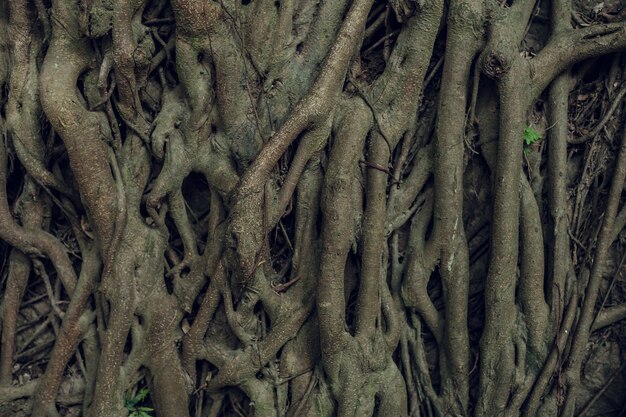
pixel 130 404
pixel 142 394
pixel 531 135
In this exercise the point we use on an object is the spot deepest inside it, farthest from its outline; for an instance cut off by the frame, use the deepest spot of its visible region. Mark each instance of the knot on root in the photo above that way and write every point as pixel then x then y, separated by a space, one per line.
pixel 495 65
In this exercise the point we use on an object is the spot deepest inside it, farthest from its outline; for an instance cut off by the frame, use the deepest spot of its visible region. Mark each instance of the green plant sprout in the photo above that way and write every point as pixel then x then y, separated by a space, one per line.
pixel 130 403
pixel 530 136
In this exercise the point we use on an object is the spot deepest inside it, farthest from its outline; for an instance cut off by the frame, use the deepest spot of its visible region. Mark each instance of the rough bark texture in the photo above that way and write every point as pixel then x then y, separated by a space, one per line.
pixel 284 208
